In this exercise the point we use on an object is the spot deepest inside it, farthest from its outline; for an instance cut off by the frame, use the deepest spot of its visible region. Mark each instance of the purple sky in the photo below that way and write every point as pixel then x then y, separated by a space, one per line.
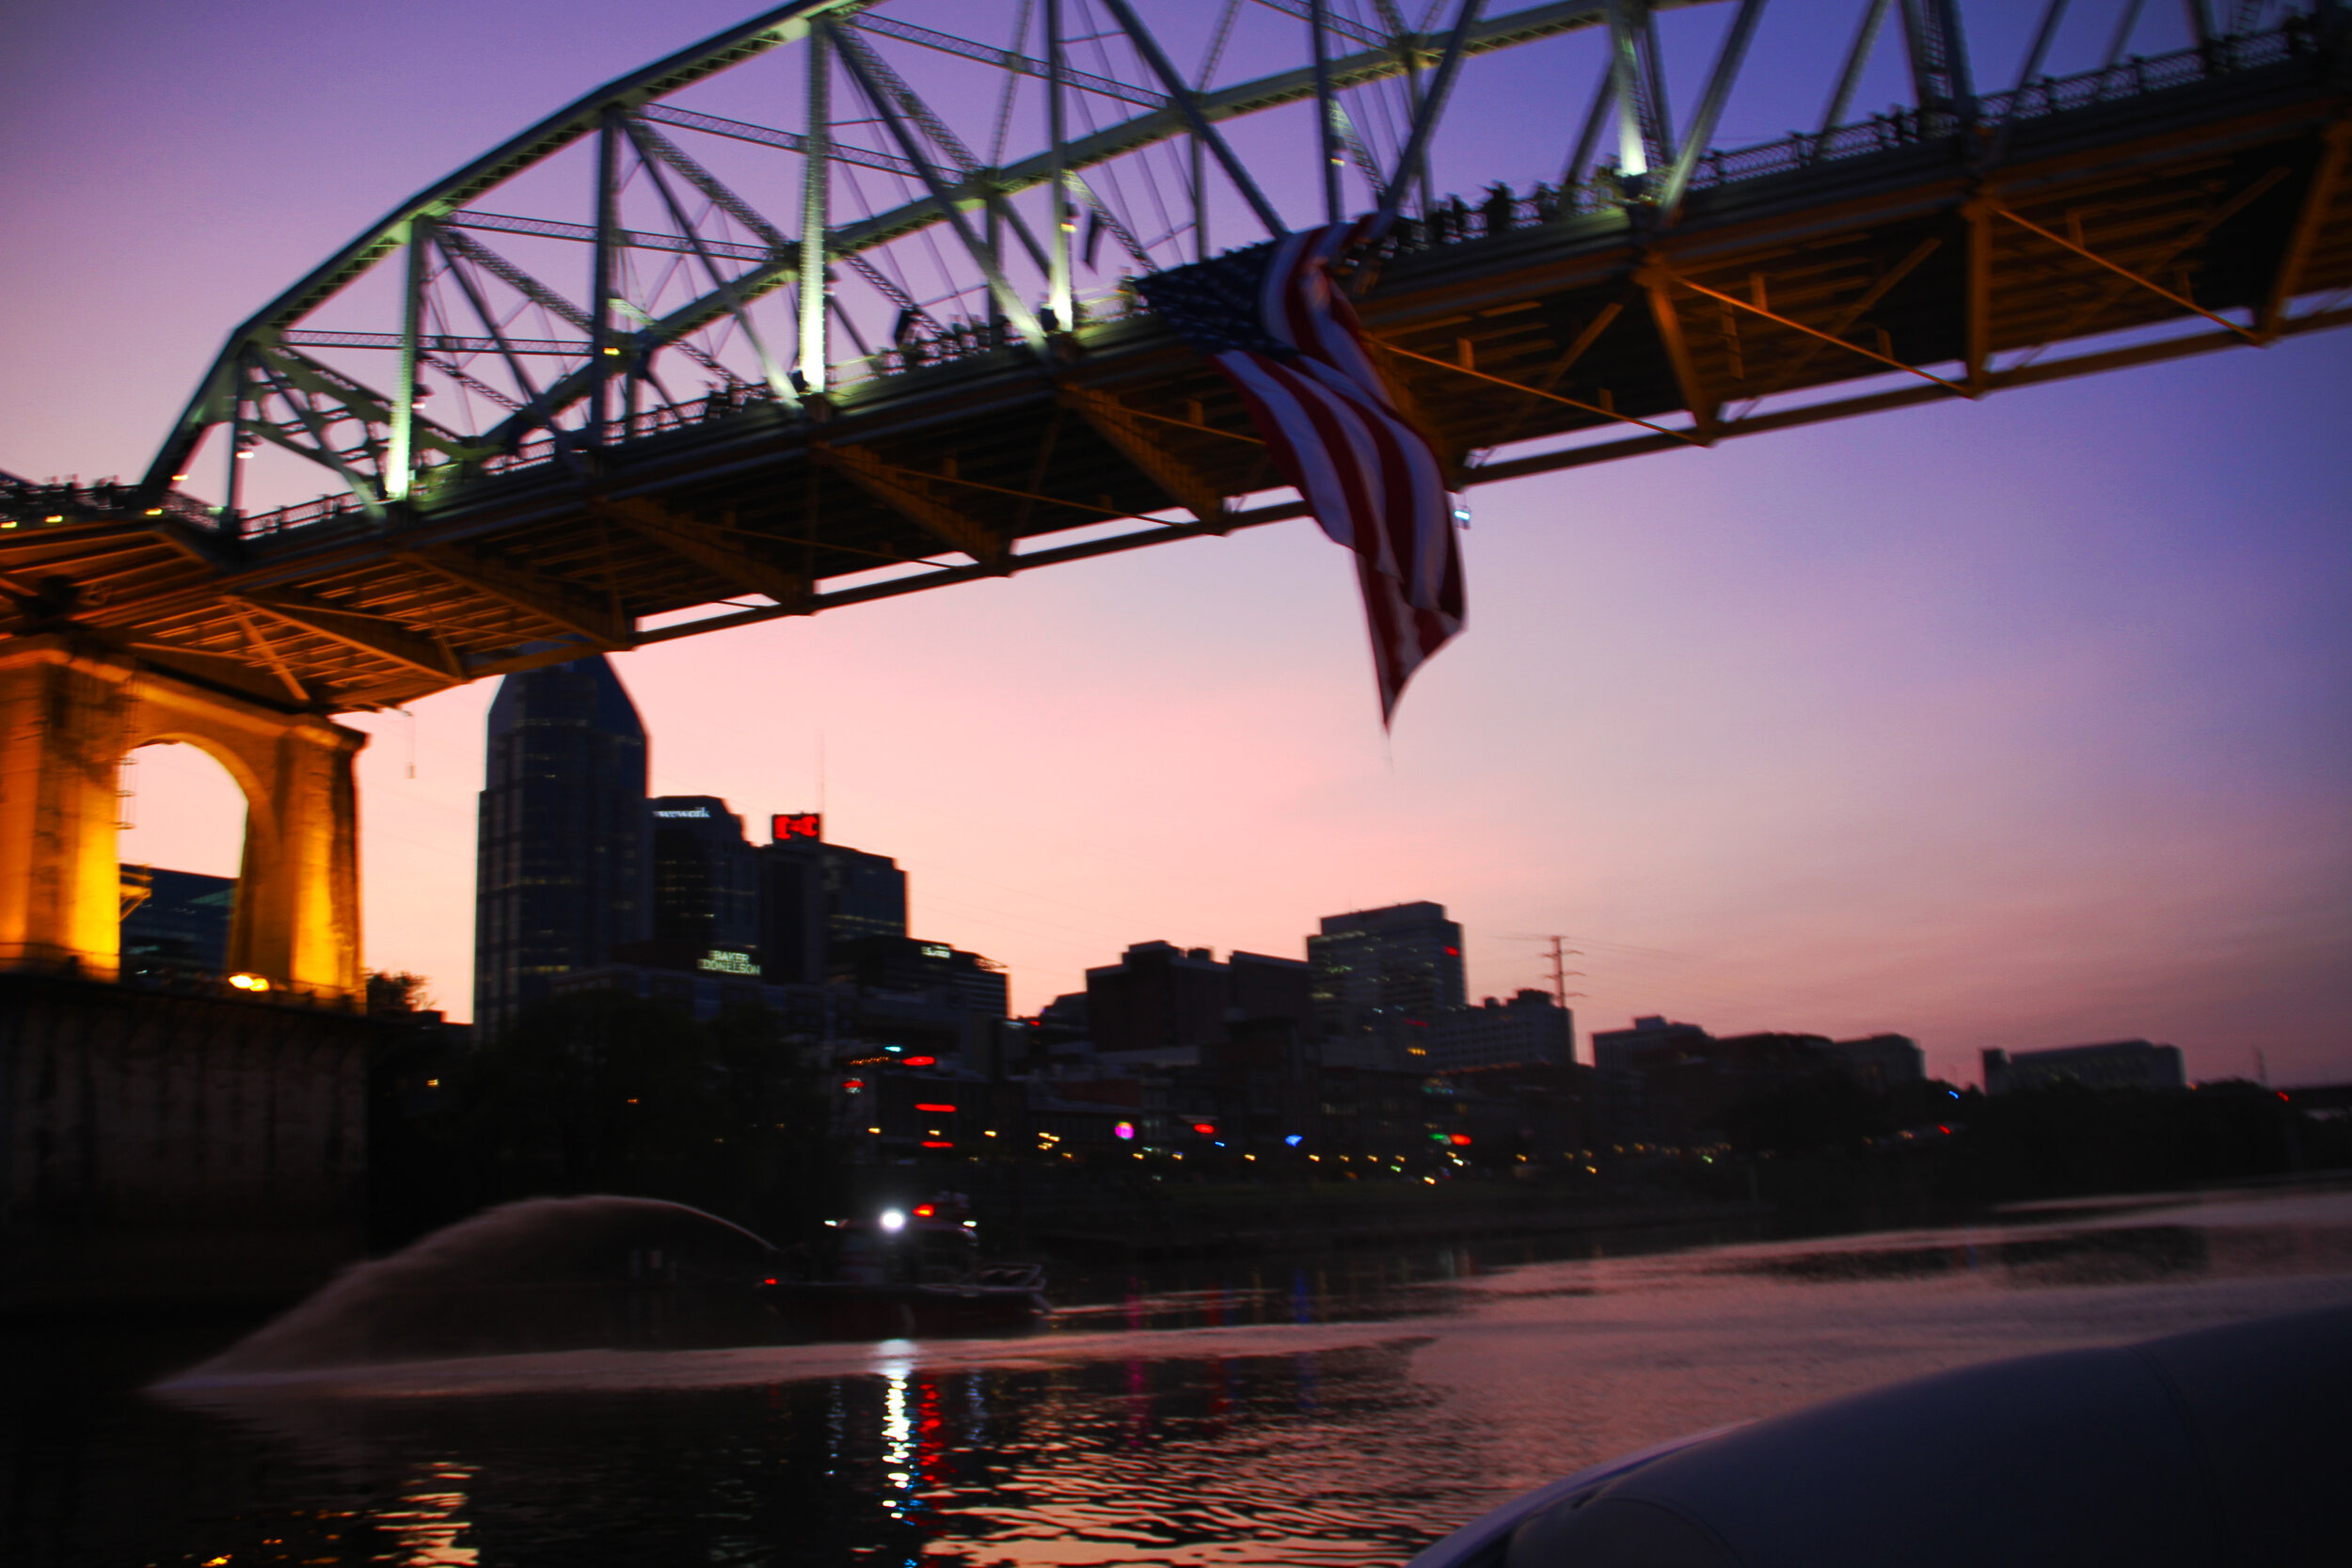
pixel 2020 724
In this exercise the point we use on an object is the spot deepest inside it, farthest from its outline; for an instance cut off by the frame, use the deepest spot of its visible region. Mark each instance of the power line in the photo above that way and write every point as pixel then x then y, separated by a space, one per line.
pixel 1560 973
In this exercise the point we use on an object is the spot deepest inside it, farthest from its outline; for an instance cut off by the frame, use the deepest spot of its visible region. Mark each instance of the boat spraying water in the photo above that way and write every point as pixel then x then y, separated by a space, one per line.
pixel 628 1274
pixel 549 1273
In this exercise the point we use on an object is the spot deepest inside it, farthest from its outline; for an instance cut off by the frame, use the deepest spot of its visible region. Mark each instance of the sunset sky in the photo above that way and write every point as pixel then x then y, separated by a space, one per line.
pixel 2019 723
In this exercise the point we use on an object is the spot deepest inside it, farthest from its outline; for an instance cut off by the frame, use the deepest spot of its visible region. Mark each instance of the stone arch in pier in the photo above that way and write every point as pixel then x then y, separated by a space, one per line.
pixel 70 711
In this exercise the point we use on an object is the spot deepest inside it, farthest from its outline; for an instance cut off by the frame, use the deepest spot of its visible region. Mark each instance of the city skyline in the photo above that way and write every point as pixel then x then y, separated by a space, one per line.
pixel 2015 724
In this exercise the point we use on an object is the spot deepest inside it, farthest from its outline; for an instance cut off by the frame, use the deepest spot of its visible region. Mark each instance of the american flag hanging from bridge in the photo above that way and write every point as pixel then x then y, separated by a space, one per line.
pixel 1271 319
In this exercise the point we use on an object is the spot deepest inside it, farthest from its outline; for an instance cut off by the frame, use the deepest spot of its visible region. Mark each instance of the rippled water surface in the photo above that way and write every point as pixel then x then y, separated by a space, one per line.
pixel 1347 1412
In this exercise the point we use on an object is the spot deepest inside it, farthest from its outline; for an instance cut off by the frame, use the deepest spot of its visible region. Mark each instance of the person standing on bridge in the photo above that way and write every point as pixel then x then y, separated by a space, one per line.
pixel 1499 209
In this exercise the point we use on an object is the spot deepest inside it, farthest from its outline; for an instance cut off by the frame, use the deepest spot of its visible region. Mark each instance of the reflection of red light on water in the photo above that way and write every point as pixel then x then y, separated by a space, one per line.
pixel 931 1427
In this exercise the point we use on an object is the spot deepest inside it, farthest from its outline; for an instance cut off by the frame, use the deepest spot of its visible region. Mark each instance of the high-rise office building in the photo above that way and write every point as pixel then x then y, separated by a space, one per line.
pixel 1382 975
pixel 1162 997
pixel 179 921
pixel 812 895
pixel 705 877
pixel 933 970
pixel 1531 1029
pixel 561 864
pixel 1615 1050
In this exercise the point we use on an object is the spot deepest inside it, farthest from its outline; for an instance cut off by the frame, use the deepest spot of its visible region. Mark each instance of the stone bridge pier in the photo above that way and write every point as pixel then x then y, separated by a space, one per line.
pixel 70 711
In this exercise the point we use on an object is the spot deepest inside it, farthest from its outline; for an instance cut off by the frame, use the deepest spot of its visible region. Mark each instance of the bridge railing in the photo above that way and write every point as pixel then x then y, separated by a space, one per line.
pixel 51 503
pixel 1456 220
pixel 955 341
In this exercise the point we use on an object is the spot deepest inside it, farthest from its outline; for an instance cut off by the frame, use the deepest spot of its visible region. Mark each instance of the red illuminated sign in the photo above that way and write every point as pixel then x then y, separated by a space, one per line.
pixel 1461 1140
pixel 935 1143
pixel 788 825
pixel 919 1061
pixel 943 1110
pixel 1207 1130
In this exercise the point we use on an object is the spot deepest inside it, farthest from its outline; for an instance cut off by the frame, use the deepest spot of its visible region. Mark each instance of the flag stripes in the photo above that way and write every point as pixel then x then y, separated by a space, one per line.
pixel 1272 319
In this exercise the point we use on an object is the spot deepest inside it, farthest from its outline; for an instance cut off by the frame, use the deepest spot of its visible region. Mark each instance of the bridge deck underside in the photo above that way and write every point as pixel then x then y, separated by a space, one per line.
pixel 2227 196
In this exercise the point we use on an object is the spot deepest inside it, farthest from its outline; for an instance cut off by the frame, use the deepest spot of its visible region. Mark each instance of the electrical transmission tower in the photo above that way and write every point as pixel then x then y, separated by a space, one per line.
pixel 1560 972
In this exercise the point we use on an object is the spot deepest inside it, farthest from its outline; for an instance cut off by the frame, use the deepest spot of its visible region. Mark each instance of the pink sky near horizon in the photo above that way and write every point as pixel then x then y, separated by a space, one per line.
pixel 2018 724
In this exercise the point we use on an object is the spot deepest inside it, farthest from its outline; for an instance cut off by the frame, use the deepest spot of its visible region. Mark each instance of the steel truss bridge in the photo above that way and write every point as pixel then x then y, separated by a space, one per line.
pixel 832 307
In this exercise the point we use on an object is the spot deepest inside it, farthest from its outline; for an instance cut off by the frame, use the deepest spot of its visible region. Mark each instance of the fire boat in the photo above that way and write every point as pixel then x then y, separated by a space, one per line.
pixel 909 1273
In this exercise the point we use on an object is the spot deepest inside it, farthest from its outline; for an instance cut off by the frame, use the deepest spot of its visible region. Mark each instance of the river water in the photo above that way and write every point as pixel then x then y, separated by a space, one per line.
pixel 1345 1412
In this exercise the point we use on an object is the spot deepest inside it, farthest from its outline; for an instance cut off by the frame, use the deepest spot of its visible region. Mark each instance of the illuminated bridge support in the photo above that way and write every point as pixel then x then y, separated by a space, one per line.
pixel 70 711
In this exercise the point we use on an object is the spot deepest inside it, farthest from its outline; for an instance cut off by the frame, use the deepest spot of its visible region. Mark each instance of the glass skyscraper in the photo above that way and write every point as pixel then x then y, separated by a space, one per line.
pixel 561 867
pixel 1382 976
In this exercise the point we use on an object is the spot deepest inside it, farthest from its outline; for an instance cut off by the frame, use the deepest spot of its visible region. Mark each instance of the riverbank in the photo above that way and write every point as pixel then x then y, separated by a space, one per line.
pixel 1205 1221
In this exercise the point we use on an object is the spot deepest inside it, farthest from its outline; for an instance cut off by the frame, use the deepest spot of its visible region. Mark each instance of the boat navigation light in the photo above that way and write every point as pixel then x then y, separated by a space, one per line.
pixel 893 1220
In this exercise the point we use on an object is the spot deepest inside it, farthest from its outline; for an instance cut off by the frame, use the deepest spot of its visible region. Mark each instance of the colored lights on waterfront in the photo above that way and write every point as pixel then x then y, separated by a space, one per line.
pixel 1124 1131
pixel 893 1220
pixel 1295 1139
pixel 249 982
pixel 918 1061
pixel 1206 1128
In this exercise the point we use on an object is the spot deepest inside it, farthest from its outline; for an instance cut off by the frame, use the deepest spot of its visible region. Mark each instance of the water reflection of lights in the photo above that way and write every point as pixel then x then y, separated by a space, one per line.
pixel 428 1528
pixel 896 1366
